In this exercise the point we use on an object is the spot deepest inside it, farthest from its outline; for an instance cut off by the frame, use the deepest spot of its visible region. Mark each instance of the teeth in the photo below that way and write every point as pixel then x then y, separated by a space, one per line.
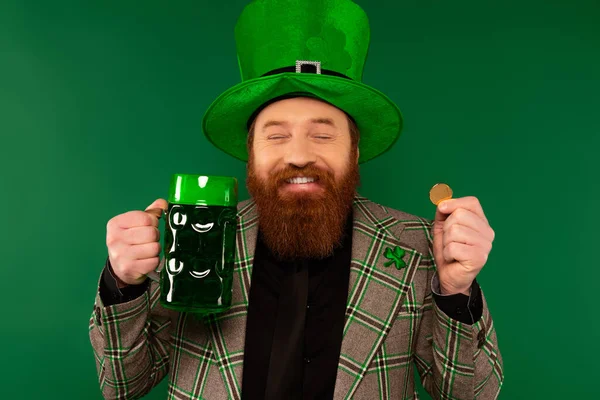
pixel 300 180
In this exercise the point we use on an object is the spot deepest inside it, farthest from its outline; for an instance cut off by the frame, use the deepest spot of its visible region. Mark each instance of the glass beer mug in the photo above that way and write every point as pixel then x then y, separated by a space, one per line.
pixel 199 244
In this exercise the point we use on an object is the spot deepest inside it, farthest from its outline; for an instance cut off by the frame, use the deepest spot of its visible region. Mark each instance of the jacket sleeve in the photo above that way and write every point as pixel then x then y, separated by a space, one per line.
pixel 131 346
pixel 457 360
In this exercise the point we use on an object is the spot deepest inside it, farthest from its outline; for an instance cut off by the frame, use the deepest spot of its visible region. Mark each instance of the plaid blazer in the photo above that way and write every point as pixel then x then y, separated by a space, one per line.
pixel 392 325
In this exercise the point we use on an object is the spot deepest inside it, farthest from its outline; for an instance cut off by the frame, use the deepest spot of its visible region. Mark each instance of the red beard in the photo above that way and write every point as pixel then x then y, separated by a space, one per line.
pixel 303 225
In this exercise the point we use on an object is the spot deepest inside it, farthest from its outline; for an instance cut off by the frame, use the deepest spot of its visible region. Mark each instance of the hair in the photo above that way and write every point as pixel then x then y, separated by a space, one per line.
pixel 354 133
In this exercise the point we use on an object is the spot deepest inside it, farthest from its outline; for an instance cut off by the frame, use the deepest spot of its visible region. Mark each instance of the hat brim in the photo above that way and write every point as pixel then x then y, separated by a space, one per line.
pixel 378 119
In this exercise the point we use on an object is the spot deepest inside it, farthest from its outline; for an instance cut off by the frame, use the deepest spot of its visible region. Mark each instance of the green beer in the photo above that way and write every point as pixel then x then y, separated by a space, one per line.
pixel 199 244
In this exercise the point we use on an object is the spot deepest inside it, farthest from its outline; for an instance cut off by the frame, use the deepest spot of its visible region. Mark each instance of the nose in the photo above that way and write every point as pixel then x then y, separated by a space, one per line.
pixel 299 153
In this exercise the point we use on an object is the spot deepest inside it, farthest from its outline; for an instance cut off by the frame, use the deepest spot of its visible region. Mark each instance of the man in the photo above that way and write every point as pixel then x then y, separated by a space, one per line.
pixel 334 296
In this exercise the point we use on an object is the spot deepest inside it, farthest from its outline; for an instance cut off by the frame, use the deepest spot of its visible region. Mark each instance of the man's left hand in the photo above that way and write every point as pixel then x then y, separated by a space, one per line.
pixel 462 241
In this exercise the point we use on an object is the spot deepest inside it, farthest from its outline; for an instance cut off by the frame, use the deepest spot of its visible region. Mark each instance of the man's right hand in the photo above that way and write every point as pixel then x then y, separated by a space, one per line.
pixel 133 242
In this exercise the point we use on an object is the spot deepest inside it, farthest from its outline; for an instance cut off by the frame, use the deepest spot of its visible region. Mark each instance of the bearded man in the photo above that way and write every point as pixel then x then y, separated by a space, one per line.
pixel 334 296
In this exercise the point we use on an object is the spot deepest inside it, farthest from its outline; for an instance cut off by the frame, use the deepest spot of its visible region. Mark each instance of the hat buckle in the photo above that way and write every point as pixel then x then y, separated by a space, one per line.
pixel 301 63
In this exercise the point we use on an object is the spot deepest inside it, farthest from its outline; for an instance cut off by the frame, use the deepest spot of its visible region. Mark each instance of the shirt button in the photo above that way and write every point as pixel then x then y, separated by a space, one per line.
pixel 458 311
pixel 307 360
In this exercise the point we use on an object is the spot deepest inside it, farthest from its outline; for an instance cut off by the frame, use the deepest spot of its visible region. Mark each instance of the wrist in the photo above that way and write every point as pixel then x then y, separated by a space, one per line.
pixel 120 283
pixel 448 291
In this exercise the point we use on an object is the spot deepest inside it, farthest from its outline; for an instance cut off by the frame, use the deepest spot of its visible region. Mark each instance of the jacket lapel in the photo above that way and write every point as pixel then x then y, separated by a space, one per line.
pixel 381 272
pixel 227 331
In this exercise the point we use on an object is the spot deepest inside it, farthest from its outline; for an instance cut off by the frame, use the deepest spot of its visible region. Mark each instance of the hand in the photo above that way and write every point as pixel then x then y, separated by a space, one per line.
pixel 462 241
pixel 133 243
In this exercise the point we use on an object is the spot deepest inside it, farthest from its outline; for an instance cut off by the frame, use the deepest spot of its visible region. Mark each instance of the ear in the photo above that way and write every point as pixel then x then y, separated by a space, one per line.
pixel 357 154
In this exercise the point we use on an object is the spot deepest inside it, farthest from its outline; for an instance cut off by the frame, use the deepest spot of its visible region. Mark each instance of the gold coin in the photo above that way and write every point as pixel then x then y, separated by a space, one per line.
pixel 440 192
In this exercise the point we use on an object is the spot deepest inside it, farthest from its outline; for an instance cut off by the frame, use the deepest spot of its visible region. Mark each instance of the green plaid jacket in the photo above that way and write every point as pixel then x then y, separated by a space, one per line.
pixel 392 326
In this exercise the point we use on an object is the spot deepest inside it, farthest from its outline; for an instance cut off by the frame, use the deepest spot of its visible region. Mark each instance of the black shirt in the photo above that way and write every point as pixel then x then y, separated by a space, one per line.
pixel 276 364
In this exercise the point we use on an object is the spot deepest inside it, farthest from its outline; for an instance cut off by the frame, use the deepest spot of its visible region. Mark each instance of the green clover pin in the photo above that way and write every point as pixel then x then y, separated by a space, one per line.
pixel 395 257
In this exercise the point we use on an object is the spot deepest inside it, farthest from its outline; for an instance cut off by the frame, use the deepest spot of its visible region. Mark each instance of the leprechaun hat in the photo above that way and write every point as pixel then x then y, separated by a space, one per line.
pixel 312 47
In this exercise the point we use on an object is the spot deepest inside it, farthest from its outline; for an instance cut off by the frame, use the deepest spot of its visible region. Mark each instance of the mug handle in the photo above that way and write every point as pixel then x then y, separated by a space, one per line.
pixel 157 212
pixel 155 275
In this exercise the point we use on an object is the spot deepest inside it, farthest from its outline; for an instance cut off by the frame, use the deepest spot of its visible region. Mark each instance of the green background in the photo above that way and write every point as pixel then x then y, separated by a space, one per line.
pixel 101 101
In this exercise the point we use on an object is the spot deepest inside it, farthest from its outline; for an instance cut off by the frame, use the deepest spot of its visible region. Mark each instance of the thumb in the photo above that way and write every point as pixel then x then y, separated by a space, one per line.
pixel 157 207
pixel 438 232
pixel 441 216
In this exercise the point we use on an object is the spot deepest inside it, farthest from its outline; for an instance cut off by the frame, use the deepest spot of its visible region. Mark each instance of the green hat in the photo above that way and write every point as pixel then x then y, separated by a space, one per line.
pixel 316 48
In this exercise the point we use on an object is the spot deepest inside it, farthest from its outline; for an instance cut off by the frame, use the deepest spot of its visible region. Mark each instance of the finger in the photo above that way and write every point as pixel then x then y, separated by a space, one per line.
pixel 470 203
pixel 438 235
pixel 133 219
pixel 471 220
pixel 160 204
pixel 143 251
pixel 458 252
pixel 439 215
pixel 123 256
pixel 464 254
pixel 140 235
pixel 157 212
pixel 465 235
pixel 144 266
pixel 134 271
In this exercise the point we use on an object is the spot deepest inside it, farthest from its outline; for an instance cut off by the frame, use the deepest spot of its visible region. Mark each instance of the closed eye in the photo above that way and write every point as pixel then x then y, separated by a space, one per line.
pixel 276 137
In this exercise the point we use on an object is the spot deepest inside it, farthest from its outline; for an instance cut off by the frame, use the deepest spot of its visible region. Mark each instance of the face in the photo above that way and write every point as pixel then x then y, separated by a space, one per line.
pixel 301 132
pixel 302 174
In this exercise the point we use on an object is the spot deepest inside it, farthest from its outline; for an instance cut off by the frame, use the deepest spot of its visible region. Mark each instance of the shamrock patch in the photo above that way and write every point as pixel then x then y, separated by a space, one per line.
pixel 395 257
pixel 329 48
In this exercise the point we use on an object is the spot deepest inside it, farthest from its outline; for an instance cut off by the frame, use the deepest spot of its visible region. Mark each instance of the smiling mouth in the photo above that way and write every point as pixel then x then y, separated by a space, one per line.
pixel 200 228
pixel 200 275
pixel 301 180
